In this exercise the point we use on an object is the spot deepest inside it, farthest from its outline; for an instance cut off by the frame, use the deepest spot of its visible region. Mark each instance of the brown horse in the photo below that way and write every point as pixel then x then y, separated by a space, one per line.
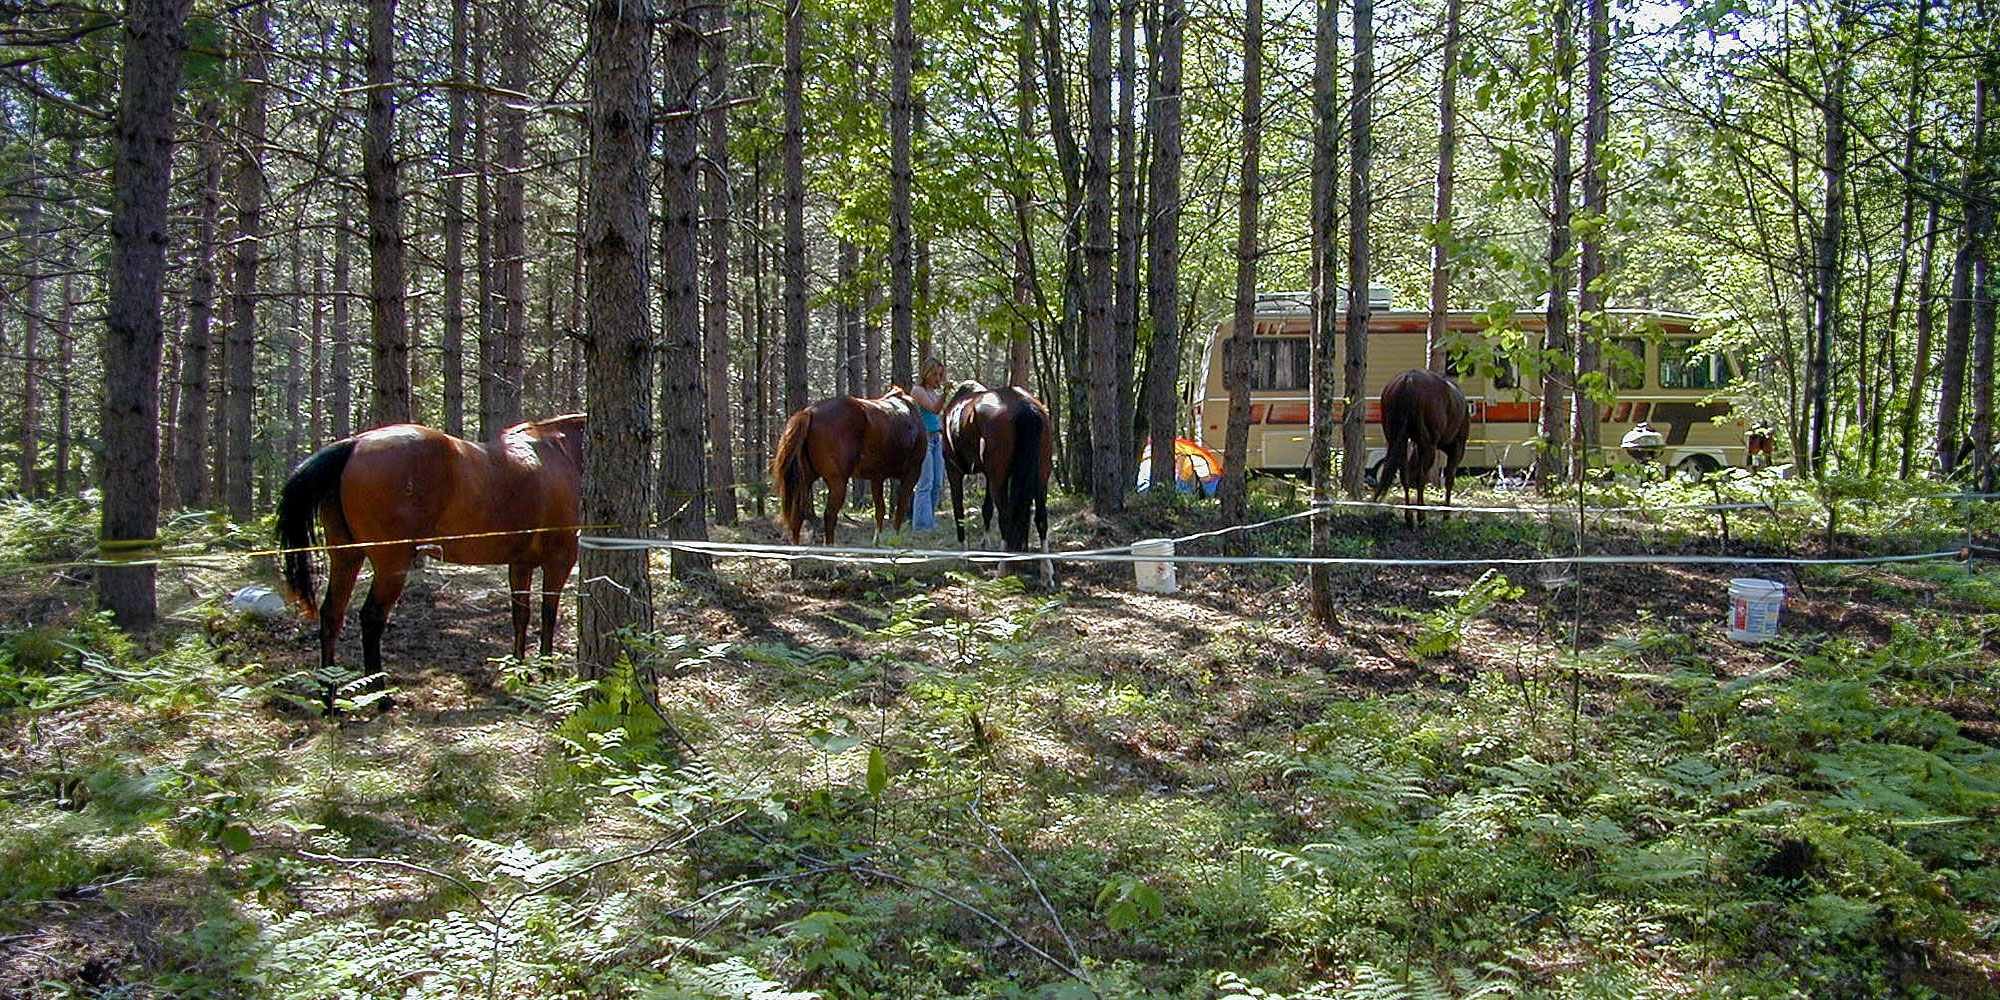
pixel 382 494
pixel 1003 434
pixel 1423 413
pixel 843 438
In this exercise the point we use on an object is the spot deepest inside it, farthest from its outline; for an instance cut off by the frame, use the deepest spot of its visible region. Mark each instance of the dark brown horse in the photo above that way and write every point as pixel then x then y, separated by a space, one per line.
pixel 1423 413
pixel 382 494
pixel 843 438
pixel 1004 434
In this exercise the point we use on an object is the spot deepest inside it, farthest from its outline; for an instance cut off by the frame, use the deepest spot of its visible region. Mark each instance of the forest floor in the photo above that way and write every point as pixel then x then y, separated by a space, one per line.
pixel 925 782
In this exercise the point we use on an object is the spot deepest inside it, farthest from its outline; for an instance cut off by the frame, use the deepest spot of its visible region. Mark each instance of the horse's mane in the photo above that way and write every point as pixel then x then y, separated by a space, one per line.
pixel 559 418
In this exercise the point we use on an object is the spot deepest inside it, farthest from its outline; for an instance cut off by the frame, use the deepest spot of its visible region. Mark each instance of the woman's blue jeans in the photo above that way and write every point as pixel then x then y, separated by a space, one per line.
pixel 930 486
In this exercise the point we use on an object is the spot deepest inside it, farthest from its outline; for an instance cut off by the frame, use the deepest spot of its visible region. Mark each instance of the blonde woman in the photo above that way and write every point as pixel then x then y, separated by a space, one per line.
pixel 929 394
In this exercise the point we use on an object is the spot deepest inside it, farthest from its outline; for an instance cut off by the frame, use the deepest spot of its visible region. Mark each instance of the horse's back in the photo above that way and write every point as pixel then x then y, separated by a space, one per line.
pixel 1422 403
pixel 410 482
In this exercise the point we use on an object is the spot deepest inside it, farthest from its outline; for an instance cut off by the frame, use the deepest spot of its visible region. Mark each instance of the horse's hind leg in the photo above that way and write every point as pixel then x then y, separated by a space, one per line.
pixel 554 575
pixel 392 571
pixel 343 566
pixel 836 498
pixel 520 592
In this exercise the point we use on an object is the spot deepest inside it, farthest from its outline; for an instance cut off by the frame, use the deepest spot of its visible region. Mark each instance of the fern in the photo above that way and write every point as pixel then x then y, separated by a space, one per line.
pixel 1441 631
pixel 729 979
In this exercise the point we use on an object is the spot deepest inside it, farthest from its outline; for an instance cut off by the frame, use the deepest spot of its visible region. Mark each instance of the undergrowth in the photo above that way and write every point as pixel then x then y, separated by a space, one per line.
pixel 961 795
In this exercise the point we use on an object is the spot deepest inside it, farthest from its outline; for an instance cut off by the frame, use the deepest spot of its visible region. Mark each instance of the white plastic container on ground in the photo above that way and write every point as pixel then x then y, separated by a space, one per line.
pixel 1154 576
pixel 1754 606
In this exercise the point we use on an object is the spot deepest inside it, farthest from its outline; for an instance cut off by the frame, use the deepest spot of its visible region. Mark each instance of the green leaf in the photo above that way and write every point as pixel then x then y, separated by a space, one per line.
pixel 878 772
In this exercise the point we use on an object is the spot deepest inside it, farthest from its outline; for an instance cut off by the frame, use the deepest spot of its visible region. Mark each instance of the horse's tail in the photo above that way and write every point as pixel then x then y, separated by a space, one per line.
pixel 1396 434
pixel 789 469
pixel 1023 477
pixel 312 482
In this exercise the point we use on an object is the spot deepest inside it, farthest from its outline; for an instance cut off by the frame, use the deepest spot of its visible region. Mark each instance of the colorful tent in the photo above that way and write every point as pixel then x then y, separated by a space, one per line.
pixel 1195 467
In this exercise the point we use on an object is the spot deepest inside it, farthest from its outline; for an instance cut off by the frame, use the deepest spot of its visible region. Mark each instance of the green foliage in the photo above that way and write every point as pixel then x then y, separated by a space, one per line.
pixel 1440 632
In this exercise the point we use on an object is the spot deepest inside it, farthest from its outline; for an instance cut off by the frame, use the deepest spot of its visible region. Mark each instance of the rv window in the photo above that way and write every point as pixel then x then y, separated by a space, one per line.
pixel 1625 360
pixel 1682 367
pixel 1280 363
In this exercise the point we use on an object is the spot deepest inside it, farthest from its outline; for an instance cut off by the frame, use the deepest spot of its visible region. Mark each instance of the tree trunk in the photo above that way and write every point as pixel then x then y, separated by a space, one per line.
pixel 715 317
pixel 142 139
pixel 1106 488
pixel 1826 256
pixel 453 337
pixel 1920 361
pixel 1590 262
pixel 1980 224
pixel 1951 364
pixel 1125 308
pixel 295 350
pixel 1325 277
pixel 847 321
pixel 390 400
pixel 797 376
pixel 340 360
pixel 191 451
pixel 682 501
pixel 510 233
pixel 29 472
pixel 613 593
pixel 242 346
pixel 1164 244
pixel 1557 381
pixel 1233 493
pixel 902 252
pixel 1435 352
pixel 1360 205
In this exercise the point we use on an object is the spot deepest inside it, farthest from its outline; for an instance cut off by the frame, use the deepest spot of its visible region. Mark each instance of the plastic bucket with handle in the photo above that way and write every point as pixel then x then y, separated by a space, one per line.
pixel 1753 609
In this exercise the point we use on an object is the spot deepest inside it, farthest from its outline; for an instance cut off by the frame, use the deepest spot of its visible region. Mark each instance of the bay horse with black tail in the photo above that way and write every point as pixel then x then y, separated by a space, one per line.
pixel 382 494
pixel 1004 434
pixel 1423 413
pixel 848 437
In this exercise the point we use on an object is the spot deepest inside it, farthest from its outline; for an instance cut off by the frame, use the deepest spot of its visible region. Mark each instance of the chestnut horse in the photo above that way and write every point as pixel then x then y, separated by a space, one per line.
pixel 1004 434
pixel 843 438
pixel 382 494
pixel 1423 413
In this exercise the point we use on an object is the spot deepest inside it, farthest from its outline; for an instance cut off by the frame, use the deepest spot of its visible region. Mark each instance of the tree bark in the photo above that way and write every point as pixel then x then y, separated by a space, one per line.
pixel 1360 205
pixel 1326 300
pixel 1590 263
pixel 1557 380
pixel 614 597
pixel 1164 243
pixel 715 317
pixel 452 340
pixel 1826 255
pixel 1106 488
pixel 340 355
pixel 243 336
pixel 142 140
pixel 1435 352
pixel 683 491
pixel 191 450
pixel 902 251
pixel 1233 492
pixel 1920 361
pixel 389 321
pixel 510 233
pixel 1125 307
pixel 797 375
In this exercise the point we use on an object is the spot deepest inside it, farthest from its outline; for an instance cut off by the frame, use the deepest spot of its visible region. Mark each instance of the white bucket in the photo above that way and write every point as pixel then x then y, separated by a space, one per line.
pixel 1156 577
pixel 1753 609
